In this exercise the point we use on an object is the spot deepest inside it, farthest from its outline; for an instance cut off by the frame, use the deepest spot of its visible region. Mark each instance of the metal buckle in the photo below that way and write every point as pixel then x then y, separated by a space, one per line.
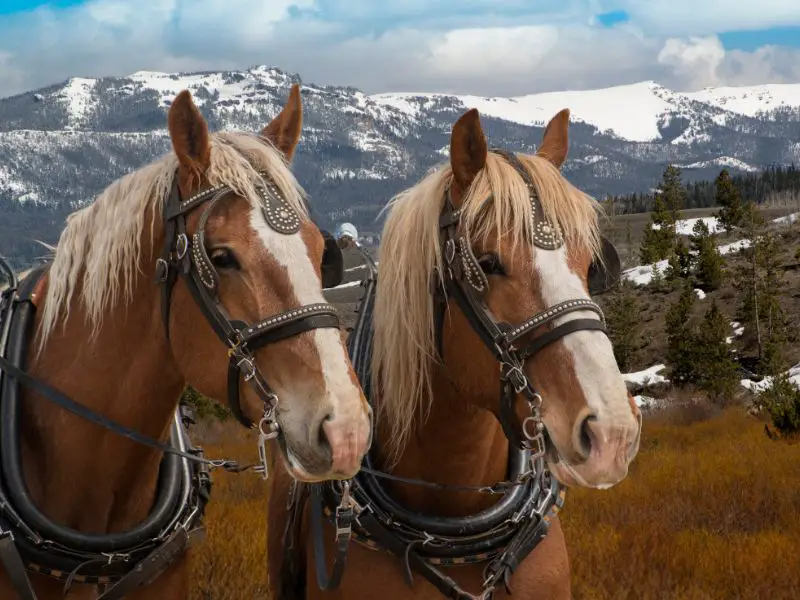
pixel 450 250
pixel 162 270
pixel 268 420
pixel 181 245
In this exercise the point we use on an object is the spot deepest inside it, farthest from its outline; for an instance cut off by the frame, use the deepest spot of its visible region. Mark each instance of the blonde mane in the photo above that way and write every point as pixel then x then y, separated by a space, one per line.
pixel 99 250
pixel 404 344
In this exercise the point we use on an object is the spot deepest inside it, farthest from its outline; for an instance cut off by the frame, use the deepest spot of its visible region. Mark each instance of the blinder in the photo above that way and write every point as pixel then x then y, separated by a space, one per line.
pixel 605 273
pixel 332 262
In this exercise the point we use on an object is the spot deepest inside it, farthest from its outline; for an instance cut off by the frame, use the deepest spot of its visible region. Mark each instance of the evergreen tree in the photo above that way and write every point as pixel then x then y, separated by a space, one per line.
pixel 731 213
pixel 715 371
pixel 622 319
pixel 679 264
pixel 771 287
pixel 708 262
pixel 673 193
pixel 629 243
pixel 748 278
pixel 659 234
pixel 680 357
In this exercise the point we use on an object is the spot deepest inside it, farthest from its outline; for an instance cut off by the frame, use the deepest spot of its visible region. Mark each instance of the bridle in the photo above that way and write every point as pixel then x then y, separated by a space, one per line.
pixel 465 282
pixel 30 540
pixel 504 534
pixel 187 257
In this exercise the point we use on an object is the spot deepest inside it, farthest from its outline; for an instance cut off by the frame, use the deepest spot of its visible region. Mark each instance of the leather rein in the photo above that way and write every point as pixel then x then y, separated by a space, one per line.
pixel 28 538
pixel 502 535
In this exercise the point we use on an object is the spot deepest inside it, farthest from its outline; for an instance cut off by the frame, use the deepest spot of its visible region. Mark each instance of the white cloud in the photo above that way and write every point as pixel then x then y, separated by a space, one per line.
pixel 487 47
pixel 696 60
pixel 703 17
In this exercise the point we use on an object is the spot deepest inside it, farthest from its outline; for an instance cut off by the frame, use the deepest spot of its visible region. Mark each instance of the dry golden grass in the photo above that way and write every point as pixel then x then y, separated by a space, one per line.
pixel 231 564
pixel 710 511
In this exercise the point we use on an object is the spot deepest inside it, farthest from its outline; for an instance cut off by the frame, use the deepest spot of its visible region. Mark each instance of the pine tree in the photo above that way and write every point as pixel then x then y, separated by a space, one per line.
pixel 629 243
pixel 748 278
pixel 680 356
pixel 715 370
pixel 622 319
pixel 673 193
pixel 679 264
pixel 771 287
pixel 731 213
pixel 708 262
pixel 659 234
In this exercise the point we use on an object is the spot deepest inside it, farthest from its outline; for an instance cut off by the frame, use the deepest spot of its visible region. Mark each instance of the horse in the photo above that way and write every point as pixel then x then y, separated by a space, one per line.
pixel 202 268
pixel 484 288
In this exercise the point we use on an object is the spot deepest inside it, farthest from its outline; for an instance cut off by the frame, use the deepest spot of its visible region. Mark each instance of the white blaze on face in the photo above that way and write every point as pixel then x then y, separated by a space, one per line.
pixel 290 252
pixel 592 354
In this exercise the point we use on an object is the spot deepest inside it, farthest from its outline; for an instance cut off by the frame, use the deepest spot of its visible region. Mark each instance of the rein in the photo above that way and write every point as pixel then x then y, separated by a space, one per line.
pixel 28 538
pixel 504 534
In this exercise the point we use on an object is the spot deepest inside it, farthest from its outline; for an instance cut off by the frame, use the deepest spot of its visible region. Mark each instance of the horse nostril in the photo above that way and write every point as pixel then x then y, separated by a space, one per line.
pixel 322 436
pixel 586 436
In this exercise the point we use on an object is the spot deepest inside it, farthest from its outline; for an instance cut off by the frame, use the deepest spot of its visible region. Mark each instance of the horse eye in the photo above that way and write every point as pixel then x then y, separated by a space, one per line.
pixel 491 265
pixel 223 258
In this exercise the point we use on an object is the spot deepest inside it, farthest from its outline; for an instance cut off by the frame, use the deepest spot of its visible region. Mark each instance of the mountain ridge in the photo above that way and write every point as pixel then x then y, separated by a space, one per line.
pixel 62 144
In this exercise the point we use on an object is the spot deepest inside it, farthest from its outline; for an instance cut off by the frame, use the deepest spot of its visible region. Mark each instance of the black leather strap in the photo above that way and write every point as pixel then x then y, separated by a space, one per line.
pixel 343 524
pixel 15 568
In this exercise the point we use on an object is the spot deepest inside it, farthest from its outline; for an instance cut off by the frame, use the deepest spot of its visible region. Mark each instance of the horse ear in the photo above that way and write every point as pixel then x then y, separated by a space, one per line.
pixel 284 130
pixel 189 133
pixel 468 149
pixel 555 142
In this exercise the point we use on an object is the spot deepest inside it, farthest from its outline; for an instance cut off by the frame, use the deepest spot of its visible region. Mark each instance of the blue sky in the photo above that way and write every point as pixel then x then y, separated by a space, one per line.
pixel 485 47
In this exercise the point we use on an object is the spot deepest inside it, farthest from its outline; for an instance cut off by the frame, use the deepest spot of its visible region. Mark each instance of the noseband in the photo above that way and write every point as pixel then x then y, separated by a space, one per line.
pixel 187 257
pixel 465 282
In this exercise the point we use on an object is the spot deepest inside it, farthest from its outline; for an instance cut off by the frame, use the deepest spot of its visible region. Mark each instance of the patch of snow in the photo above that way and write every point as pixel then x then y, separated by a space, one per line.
pixel 686 226
pixel 723 161
pixel 734 247
pixel 77 95
pixel 643 274
pixel 788 219
pixel 647 377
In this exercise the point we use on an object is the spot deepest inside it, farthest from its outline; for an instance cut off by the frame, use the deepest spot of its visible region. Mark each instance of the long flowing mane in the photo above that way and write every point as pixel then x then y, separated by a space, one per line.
pixel 404 344
pixel 99 250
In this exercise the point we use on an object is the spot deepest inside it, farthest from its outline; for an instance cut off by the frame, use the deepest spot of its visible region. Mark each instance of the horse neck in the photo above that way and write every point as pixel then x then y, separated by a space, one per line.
pixel 82 474
pixel 458 444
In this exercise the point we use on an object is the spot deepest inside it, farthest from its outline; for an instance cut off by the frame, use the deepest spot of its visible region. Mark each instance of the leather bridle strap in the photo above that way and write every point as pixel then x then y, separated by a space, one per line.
pixel 188 259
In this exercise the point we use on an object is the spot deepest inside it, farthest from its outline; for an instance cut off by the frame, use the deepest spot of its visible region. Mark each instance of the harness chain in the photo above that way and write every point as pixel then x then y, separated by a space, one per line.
pixel 505 534
pixel 21 522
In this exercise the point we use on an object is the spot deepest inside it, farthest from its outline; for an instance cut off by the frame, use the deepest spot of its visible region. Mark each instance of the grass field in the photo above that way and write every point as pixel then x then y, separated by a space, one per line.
pixel 710 510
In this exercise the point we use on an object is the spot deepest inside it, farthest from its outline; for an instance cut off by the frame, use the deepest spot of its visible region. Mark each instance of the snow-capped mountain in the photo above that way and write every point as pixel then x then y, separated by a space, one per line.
pixel 60 145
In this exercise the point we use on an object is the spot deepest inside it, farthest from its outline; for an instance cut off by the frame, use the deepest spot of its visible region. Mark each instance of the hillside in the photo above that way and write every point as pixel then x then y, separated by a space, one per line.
pixel 61 145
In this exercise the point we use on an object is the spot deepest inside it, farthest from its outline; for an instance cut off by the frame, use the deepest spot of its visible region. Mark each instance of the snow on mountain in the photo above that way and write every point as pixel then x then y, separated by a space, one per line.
pixel 750 100
pixel 722 162
pixel 62 144
pixel 637 112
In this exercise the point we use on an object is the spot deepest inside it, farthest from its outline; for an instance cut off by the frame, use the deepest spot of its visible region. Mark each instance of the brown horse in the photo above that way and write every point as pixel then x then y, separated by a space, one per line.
pixel 239 267
pixel 490 259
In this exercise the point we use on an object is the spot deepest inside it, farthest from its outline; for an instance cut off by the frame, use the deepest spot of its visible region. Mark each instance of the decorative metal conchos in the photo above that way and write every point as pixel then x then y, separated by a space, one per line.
pixel 472 270
pixel 545 235
pixel 279 215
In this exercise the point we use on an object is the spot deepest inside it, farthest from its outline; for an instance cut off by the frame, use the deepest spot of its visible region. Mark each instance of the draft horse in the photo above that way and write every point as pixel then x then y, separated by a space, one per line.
pixel 495 387
pixel 201 268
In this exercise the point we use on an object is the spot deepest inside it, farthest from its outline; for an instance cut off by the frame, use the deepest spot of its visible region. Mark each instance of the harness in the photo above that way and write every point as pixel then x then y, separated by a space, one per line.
pixel 500 536
pixel 122 562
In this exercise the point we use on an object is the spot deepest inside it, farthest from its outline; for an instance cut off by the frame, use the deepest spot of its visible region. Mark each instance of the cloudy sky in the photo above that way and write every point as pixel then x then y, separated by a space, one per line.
pixel 485 47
